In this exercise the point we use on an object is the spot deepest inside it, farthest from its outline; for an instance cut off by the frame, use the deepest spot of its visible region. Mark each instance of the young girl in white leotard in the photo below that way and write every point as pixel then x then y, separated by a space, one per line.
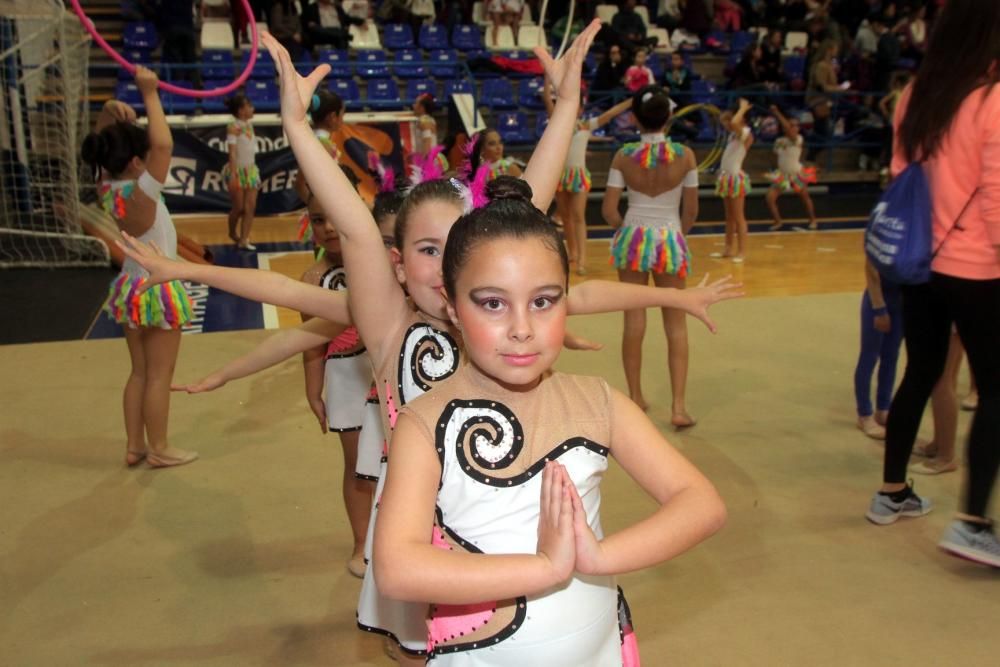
pixel 132 164
pixel 571 196
pixel 662 179
pixel 733 184
pixel 241 173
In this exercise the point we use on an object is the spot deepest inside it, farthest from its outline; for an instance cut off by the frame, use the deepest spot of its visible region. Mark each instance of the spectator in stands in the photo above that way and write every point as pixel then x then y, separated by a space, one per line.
pixel 639 75
pixel 668 13
pixel 411 12
pixel 823 82
pixel 728 15
pixel 326 22
pixel 359 9
pixel 505 12
pixel 770 59
pixel 610 74
pixel 915 33
pixel 887 54
pixel 179 37
pixel 866 41
pixel 749 70
pixel 677 78
pixel 629 27
pixel 283 22
pixel 696 17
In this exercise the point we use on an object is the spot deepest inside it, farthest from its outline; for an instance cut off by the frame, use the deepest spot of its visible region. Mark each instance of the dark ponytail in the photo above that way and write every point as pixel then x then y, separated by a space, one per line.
pixel 509 214
pixel 113 148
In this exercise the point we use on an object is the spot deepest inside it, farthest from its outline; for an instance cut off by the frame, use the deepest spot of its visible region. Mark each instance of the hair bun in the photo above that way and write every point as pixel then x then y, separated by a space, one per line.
pixel 509 187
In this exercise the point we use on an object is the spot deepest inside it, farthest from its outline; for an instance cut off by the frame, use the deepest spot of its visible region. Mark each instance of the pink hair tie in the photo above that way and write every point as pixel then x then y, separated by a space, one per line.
pixel 88 25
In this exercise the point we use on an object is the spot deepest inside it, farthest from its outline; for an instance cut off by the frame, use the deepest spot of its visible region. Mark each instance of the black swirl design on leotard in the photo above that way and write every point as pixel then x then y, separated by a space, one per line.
pixel 334 278
pixel 490 433
pixel 428 355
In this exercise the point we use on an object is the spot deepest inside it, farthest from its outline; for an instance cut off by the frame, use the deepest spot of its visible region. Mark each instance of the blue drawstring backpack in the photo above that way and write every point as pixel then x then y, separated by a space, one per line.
pixel 899 236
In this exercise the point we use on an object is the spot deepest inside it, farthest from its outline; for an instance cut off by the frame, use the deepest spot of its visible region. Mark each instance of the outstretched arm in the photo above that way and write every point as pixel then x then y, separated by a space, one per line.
pixel 608 296
pixel 690 510
pixel 409 567
pixel 273 350
pixel 614 112
pixel 545 166
pixel 785 125
pixel 254 284
pixel 738 121
pixel 383 298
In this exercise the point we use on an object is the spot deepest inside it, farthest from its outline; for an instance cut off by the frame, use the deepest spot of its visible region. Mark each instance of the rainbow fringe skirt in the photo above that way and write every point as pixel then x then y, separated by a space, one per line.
pixel 165 306
pixel 731 186
pixel 574 179
pixel 248 177
pixel 657 249
pixel 794 182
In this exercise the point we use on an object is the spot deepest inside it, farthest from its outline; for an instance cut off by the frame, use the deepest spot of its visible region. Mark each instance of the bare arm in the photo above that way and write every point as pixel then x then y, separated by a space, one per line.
pixel 689 196
pixel 614 112
pixel 785 125
pixel 383 299
pixel 608 296
pixel 313 365
pixel 546 93
pixel 114 111
pixel 545 166
pixel 409 567
pixel 273 350
pixel 690 510
pixel 141 210
pixel 609 206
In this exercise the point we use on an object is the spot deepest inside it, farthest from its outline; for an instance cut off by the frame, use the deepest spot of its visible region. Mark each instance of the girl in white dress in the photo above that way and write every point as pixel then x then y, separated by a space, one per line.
pixel 241 173
pixel 733 184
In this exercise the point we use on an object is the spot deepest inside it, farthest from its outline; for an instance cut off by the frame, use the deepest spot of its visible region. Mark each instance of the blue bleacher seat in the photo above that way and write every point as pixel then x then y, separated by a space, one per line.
pixel 128 92
pixel 348 91
pixel 703 92
pixel 445 63
pixel 214 104
pixel 458 86
pixel 339 62
pixel 139 35
pixel 541 122
pixel 408 65
pixel 217 65
pixel 466 38
pixel 589 65
pixel 397 36
pixel 305 65
pixel 384 94
pixel 264 95
pixel 179 104
pixel 794 67
pixel 417 87
pixel 513 128
pixel 263 68
pixel 433 36
pixel 529 96
pixel 655 64
pixel 741 40
pixel 371 64
pixel 498 94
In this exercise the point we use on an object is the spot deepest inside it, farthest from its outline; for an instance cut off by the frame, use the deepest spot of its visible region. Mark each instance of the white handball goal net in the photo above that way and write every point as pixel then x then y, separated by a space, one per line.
pixel 44 115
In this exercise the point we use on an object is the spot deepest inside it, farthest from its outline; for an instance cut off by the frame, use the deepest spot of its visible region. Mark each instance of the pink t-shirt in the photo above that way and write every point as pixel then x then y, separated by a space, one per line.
pixel 968 158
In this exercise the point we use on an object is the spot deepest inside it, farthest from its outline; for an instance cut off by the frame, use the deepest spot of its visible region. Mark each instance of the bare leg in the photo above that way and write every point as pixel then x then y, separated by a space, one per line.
pixel 249 210
pixel 578 212
pixel 357 500
pixel 740 219
pixel 727 204
pixel 563 208
pixel 160 348
pixel 635 330
pixel 675 327
pixel 772 203
pixel 135 433
pixel 944 403
pixel 236 212
pixel 810 211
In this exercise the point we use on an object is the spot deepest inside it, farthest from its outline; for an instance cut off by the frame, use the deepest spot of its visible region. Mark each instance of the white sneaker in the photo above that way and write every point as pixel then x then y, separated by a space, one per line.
pixel 980 547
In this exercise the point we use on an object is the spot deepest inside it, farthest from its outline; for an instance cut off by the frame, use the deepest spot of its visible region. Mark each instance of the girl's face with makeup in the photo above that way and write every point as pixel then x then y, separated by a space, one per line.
pixel 418 262
pixel 510 305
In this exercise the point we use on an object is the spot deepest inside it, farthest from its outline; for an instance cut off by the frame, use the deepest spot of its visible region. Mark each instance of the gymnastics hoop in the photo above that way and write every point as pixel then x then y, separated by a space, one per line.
pixel 88 25
pixel 715 154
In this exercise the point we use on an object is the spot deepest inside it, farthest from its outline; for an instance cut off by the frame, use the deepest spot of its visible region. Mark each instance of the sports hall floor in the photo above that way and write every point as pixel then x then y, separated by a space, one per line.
pixel 238 558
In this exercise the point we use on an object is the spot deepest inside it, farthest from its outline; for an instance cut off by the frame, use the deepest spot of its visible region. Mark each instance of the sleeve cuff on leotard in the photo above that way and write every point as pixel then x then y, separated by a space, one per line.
pixel 691 179
pixel 149 185
pixel 615 179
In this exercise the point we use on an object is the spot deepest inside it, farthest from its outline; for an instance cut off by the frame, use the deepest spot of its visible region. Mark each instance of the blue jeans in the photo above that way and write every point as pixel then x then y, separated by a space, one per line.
pixel 880 348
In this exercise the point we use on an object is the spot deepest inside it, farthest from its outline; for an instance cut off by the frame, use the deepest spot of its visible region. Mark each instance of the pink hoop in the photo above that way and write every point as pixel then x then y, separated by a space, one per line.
pixel 88 25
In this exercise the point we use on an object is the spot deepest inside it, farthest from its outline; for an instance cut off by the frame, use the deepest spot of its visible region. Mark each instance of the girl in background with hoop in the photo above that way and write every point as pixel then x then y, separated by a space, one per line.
pixel 733 184
pixel 662 178
pixel 132 164
pixel 241 173
pixel 571 194
pixel 790 176
pixel 427 135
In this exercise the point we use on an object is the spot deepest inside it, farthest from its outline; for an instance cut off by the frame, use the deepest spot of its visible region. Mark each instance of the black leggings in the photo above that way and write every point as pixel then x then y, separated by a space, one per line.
pixel 928 313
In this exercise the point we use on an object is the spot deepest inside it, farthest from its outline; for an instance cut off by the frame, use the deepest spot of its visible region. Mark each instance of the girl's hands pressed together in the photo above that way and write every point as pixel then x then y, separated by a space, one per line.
pixel 589 555
pixel 296 90
pixel 555 522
